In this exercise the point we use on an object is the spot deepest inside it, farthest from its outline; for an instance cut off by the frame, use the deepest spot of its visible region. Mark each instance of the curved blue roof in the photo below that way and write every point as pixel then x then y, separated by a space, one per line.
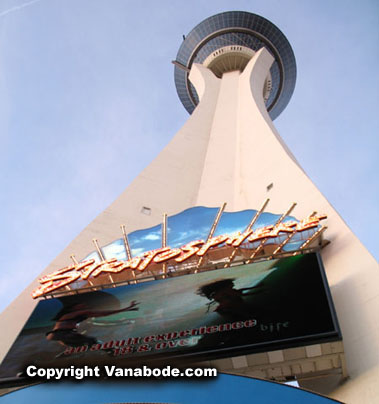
pixel 224 389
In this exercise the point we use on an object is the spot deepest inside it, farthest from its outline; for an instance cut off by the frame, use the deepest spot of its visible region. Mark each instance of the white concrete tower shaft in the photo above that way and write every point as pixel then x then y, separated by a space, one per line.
pixel 245 155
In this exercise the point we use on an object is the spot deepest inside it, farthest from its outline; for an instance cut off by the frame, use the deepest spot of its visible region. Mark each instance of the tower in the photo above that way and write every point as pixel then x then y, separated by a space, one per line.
pixel 238 88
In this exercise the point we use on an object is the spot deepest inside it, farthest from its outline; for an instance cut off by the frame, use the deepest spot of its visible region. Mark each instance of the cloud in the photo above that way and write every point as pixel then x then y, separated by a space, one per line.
pixel 137 251
pixel 115 250
pixel 140 238
pixel 186 236
pixel 152 237
pixel 16 8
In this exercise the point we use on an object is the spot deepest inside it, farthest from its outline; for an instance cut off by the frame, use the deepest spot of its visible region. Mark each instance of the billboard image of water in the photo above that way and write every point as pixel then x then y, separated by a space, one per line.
pixel 244 309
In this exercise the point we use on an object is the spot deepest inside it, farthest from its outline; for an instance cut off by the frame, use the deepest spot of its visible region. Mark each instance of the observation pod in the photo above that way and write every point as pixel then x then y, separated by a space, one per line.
pixel 226 42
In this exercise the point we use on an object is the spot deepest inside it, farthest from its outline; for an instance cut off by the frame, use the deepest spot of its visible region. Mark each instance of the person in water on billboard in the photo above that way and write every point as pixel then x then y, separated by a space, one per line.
pixel 65 331
pixel 232 305
pixel 231 301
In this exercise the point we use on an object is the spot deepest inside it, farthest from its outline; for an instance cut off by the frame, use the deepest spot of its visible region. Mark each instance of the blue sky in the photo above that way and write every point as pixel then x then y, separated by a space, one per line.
pixel 87 100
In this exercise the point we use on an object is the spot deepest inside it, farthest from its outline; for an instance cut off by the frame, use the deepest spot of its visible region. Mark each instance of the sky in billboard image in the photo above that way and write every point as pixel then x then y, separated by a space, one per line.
pixel 193 224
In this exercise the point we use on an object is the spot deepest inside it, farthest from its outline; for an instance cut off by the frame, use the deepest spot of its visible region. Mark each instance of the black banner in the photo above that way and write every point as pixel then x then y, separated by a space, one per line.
pixel 244 309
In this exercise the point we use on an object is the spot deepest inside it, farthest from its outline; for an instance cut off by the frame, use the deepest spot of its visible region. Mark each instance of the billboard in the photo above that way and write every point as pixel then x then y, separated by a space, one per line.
pixel 196 238
pixel 257 307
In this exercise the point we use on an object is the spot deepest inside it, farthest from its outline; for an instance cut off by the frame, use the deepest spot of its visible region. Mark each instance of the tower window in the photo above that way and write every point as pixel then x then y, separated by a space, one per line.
pixel 146 211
